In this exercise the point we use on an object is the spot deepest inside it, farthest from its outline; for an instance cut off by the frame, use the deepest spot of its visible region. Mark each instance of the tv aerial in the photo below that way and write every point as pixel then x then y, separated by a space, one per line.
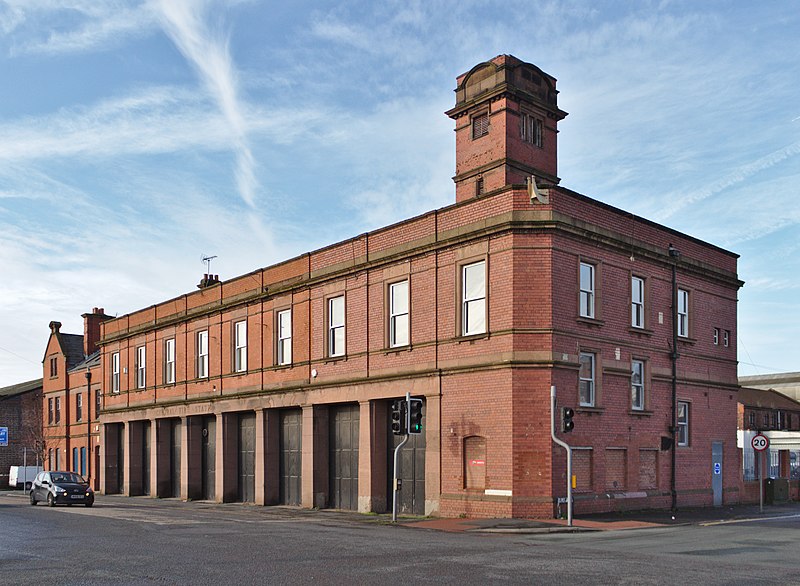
pixel 207 260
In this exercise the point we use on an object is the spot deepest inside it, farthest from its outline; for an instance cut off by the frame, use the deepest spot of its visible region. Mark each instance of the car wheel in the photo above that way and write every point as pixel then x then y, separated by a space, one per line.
pixel 33 499
pixel 50 500
pixel 28 486
pixel 89 503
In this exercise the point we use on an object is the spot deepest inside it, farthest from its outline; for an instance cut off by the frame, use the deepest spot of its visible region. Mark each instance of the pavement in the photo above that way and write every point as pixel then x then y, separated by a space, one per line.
pixel 616 521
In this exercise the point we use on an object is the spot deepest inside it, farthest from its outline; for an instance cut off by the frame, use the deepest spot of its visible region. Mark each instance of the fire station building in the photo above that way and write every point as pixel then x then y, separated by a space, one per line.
pixel 275 387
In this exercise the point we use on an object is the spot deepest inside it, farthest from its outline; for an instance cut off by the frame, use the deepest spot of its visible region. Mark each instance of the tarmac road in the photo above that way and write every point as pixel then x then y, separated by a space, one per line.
pixel 148 541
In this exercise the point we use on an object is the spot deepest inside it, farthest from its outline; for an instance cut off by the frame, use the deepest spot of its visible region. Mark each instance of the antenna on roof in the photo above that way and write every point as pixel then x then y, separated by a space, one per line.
pixel 207 260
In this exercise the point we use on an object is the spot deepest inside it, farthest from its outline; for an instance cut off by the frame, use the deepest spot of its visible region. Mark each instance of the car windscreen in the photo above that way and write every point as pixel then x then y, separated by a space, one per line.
pixel 68 477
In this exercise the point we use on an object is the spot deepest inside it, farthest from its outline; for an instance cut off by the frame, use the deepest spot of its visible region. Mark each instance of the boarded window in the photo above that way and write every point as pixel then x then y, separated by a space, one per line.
pixel 615 469
pixel 475 463
pixel 582 469
pixel 648 469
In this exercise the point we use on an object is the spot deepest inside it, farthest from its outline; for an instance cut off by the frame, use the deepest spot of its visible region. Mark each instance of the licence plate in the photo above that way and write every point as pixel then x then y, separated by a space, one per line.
pixel 76 496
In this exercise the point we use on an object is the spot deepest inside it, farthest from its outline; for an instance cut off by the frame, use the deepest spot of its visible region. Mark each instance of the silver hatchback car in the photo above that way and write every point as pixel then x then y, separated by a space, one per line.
pixel 61 488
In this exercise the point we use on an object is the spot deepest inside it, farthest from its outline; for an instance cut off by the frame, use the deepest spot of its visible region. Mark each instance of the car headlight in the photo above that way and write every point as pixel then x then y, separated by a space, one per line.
pixel 59 490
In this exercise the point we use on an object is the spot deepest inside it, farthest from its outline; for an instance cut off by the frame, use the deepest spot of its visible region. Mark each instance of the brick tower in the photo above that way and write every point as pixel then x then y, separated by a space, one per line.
pixel 506 117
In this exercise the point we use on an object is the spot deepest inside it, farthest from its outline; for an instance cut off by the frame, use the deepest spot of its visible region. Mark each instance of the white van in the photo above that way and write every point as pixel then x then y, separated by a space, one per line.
pixel 22 476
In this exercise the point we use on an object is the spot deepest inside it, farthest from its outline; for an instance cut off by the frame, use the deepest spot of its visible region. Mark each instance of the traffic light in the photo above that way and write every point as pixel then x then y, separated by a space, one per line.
pixel 399 417
pixel 415 416
pixel 567 413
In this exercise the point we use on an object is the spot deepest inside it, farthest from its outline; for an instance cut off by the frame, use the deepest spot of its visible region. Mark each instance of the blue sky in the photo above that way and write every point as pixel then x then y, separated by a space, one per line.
pixel 136 137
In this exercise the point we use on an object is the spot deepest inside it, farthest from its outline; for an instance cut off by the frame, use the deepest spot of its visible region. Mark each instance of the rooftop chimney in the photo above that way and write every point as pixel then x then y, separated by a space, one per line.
pixel 55 327
pixel 91 329
pixel 208 280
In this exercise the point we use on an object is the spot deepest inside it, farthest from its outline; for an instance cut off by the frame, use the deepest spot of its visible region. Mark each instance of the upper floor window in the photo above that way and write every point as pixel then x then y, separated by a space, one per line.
pixel 336 326
pixel 480 125
pixel 726 338
pixel 637 302
pixel 752 420
pixel 79 407
pixel 586 379
pixel 141 367
pixel 530 129
pixel 473 298
pixel 169 361
pixel 285 337
pixel 50 412
pixel 98 402
pixel 716 336
pixel 683 423
pixel 53 366
pixel 637 385
pixel 202 354
pixel 683 313
pixel 587 290
pixel 115 372
pixel 398 314
pixel 240 346
pixel 58 409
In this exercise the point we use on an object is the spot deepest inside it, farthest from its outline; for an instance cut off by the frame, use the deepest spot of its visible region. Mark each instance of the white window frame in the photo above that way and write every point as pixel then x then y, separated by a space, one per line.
pixel 637 302
pixel 716 336
pixel 115 372
pixel 336 326
pixel 240 346
pixel 683 313
pixel 169 361
pixel 284 331
pixel 202 353
pixel 79 407
pixel 399 323
pixel 726 338
pixel 587 382
pixel 141 367
pixel 473 299
pixel 637 388
pixel 587 290
pixel 683 423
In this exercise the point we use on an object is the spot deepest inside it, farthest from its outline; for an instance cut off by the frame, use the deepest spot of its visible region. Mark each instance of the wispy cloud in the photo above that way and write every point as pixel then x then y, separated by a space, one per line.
pixel 186 23
pixel 81 25
pixel 737 176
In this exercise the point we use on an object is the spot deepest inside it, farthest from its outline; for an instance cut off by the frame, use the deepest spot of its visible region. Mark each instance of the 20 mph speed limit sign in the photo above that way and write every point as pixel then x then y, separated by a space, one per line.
pixel 760 442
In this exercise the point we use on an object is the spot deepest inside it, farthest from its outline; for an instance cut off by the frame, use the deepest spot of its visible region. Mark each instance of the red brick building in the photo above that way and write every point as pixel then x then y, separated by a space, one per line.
pixel 776 416
pixel 275 386
pixel 72 398
pixel 21 416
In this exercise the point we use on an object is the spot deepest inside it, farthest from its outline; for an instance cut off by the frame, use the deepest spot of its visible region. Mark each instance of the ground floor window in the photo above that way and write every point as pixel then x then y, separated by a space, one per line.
pixel 774 464
pixel 749 471
pixel 794 464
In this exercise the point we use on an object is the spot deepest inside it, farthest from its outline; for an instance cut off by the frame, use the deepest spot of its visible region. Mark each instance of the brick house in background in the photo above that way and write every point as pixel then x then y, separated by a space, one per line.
pixel 274 387
pixel 776 416
pixel 21 413
pixel 72 398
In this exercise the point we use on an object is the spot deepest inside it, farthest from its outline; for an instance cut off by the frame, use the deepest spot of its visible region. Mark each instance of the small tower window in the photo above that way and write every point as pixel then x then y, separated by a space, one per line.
pixel 480 125
pixel 530 129
pixel 479 186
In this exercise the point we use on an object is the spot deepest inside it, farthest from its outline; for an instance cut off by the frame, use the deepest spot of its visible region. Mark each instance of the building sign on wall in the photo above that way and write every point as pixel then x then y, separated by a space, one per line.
pixel 3 436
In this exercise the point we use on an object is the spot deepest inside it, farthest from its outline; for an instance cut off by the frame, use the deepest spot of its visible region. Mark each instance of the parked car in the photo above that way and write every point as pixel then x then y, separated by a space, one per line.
pixel 61 488
pixel 22 476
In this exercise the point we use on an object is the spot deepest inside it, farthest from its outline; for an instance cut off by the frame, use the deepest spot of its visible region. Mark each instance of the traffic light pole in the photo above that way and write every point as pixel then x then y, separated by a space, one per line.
pixel 395 482
pixel 566 447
